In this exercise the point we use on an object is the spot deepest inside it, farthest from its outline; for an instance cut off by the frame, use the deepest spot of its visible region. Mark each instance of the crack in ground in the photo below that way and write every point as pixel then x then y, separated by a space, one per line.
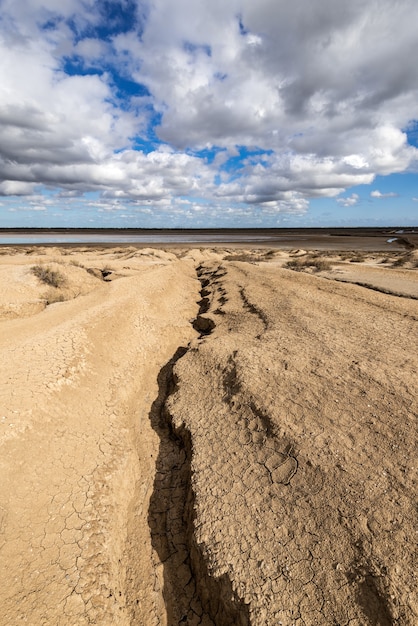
pixel 257 428
pixel 191 595
pixel 255 310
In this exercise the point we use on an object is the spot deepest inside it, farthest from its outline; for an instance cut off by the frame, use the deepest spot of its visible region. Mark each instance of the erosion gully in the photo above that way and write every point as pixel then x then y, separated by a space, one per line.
pixel 191 595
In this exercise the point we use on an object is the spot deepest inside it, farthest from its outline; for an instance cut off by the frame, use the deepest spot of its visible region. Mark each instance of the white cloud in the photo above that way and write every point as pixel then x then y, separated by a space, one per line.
pixel 324 87
pixel 317 65
pixel 350 201
pixel 377 194
pixel 16 188
pixel 49 117
pixel 292 91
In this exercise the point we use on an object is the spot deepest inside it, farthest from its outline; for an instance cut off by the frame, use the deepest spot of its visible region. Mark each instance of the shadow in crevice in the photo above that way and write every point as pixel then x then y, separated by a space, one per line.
pixel 373 602
pixel 371 596
pixel 169 505
pixel 191 595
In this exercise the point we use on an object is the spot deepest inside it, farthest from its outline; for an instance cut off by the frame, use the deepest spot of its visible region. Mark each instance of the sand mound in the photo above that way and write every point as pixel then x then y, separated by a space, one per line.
pixel 28 288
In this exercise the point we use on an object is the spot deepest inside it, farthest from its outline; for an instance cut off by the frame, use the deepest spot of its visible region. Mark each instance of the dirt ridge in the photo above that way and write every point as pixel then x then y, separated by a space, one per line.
pixel 280 469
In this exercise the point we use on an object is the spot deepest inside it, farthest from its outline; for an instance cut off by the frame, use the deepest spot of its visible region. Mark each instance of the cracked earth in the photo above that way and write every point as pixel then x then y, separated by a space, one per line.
pixel 192 439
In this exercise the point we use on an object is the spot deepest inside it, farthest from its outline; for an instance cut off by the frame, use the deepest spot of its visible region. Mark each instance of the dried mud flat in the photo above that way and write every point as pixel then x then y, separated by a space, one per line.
pixel 208 437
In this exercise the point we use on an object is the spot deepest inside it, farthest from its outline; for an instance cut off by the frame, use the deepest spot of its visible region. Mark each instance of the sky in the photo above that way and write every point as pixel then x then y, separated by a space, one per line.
pixel 198 113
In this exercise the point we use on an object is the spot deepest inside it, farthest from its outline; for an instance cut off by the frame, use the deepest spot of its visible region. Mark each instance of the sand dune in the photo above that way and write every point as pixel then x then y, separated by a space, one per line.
pixel 207 437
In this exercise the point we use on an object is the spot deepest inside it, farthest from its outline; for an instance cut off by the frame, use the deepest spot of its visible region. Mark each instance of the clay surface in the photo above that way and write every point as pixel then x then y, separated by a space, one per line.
pixel 208 437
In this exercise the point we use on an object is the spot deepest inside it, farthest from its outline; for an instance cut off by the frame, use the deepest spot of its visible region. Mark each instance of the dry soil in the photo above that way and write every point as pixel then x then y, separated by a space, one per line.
pixel 207 437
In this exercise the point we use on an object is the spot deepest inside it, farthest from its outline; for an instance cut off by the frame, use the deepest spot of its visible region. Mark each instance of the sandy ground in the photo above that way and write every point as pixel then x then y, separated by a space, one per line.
pixel 208 437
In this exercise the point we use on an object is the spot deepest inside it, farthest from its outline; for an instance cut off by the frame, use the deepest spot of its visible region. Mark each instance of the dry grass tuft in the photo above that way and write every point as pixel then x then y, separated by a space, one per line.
pixel 243 257
pixel 407 258
pixel 312 263
pixel 52 296
pixel 50 277
pixel 358 258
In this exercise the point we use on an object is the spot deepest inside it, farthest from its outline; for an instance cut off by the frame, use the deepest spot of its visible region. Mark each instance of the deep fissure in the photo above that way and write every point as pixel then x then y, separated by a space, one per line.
pixel 191 595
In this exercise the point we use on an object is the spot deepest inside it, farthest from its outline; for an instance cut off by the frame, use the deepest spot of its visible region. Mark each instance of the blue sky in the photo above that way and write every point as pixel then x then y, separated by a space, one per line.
pixel 123 113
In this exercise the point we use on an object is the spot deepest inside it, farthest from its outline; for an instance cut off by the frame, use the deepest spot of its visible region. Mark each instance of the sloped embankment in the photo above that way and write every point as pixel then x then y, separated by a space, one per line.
pixel 299 411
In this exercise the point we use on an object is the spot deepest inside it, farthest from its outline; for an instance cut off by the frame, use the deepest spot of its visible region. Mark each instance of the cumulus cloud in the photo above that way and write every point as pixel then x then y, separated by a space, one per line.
pixel 350 201
pixel 16 188
pixel 377 194
pixel 314 70
pixel 128 98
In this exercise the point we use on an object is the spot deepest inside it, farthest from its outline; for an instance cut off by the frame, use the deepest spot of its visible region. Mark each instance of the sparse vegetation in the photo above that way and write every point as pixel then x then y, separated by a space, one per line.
pixel 349 255
pixel 358 258
pixel 408 260
pixel 250 257
pixel 309 263
pixel 52 296
pixel 244 257
pixel 402 260
pixel 50 277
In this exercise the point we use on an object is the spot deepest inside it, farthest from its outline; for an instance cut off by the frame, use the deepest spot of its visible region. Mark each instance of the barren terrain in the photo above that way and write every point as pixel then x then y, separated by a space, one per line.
pixel 208 437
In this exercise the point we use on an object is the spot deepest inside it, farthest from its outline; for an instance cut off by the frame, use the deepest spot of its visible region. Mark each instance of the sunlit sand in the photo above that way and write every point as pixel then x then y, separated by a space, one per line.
pixel 208 436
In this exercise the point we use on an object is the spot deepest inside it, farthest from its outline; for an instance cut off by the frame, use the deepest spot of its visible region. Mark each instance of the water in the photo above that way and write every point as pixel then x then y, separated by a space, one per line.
pixel 153 237
pixel 309 238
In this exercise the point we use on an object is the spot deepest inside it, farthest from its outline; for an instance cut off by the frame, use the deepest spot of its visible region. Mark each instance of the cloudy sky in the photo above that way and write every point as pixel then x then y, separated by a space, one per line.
pixel 195 113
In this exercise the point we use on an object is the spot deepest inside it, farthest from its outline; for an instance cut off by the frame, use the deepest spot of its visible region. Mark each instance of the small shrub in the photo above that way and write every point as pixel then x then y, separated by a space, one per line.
pixel 358 258
pixel 243 257
pixel 315 264
pixel 50 277
pixel 52 296
pixel 321 265
pixel 352 256
pixel 400 261
pixel 294 264
pixel 409 258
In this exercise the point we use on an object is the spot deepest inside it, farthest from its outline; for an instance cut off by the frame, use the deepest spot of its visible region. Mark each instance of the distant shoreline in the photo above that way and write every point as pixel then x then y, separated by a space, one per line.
pixel 331 230
pixel 285 238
